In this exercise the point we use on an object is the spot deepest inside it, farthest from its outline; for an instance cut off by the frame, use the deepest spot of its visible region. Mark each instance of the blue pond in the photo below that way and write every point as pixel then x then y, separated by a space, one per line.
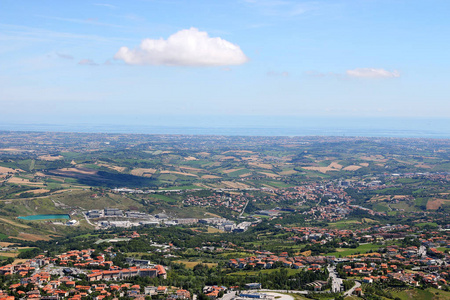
pixel 44 217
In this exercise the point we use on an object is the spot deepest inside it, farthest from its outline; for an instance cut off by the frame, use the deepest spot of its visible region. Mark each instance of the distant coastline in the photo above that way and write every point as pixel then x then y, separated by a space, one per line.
pixel 256 126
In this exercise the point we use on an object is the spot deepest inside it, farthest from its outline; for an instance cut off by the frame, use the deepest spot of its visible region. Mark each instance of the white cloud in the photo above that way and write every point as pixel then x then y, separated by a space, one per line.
pixel 87 62
pixel 187 47
pixel 372 73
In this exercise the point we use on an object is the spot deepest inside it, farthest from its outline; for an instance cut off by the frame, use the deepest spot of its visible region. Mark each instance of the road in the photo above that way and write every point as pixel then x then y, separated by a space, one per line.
pixel 284 291
pixel 228 296
pixel 350 291
pixel 336 282
pixel 246 203
pixel 89 222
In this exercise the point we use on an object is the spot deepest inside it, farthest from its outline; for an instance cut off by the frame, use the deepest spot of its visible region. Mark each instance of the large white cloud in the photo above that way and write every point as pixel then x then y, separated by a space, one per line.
pixel 187 47
pixel 373 73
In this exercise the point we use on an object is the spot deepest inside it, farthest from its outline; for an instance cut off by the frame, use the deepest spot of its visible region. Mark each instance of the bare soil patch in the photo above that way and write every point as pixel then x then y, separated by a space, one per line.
pixel 435 203
pixel 352 168
pixel 380 198
pixel 32 237
pixel 15 150
pixel 334 166
pixel 364 164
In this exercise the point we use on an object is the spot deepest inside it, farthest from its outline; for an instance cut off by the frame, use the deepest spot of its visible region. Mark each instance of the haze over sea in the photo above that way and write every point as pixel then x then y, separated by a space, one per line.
pixel 246 126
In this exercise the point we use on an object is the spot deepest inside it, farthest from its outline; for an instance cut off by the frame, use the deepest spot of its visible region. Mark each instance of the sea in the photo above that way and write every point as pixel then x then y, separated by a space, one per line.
pixel 438 128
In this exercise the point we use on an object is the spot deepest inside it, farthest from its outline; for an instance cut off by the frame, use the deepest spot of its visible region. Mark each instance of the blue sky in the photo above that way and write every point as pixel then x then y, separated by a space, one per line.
pixel 79 60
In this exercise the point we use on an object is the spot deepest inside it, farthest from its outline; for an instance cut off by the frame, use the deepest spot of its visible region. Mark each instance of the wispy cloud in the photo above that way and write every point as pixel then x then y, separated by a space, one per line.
pixel 89 21
pixel 358 73
pixel 323 74
pixel 65 56
pixel 18 32
pixel 373 73
pixel 278 74
pixel 188 47
pixel 87 62
pixel 110 6
pixel 283 8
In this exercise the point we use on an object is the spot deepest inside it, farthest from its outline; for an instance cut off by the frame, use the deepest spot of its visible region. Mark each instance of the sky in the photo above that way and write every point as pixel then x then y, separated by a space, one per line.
pixel 82 61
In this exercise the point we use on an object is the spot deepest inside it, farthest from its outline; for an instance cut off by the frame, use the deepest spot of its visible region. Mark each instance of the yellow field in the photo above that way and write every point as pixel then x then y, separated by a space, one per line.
pixel 115 168
pixel 50 158
pixel 17 180
pixel 191 169
pixel 379 158
pixel 5 244
pixel 190 158
pixel 238 151
pixel 352 168
pixel 210 177
pixel 436 203
pixel 32 237
pixel 7 170
pixel 271 175
pixel 260 165
pixel 319 169
pixel 143 172
pixel 192 264
pixel 178 173
pixel 335 165
pixel 232 170
pixel 235 185
pixel 13 223
pixel 288 172
pixel 245 175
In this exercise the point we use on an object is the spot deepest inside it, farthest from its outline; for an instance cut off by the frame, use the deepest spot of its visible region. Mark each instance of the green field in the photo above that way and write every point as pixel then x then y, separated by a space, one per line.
pixel 344 224
pixel 264 271
pixel 417 294
pixel 350 251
